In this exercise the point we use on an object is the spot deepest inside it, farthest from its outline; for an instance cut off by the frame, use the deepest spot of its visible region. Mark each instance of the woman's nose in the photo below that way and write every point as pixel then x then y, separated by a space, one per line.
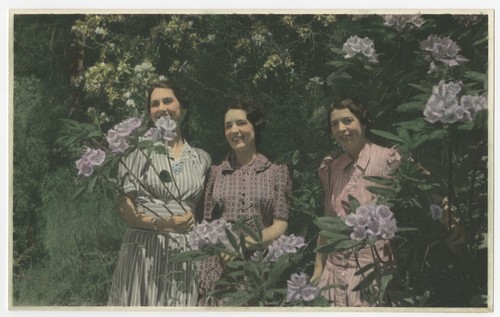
pixel 234 128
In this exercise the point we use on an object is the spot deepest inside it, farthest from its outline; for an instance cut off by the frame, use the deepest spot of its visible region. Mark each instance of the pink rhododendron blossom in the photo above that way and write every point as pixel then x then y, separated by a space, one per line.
pixel 299 289
pixel 209 233
pixel 403 21
pixel 117 136
pixel 166 127
pixel 284 245
pixel 441 49
pixel 436 212
pixel 472 105
pixel 443 105
pixel 91 158
pixel 355 45
pixel 373 222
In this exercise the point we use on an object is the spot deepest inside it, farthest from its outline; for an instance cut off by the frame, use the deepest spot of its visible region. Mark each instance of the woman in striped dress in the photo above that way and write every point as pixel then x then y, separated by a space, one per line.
pixel 159 214
pixel 344 176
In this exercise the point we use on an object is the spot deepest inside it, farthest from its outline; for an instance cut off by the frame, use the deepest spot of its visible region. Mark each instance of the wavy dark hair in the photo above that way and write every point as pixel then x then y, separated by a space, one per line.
pixel 254 115
pixel 357 109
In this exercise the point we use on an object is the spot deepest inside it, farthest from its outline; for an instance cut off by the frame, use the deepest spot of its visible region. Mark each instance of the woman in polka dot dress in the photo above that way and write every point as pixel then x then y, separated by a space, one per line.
pixel 245 185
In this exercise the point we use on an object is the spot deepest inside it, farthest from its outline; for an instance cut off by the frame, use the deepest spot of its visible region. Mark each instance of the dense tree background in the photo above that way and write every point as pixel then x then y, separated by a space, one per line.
pixel 96 69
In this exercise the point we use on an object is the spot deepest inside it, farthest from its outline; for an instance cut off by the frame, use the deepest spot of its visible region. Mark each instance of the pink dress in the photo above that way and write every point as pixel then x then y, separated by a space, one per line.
pixel 340 178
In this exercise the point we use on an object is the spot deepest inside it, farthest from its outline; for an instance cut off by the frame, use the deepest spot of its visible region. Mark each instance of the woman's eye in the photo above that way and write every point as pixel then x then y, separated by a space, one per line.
pixel 167 101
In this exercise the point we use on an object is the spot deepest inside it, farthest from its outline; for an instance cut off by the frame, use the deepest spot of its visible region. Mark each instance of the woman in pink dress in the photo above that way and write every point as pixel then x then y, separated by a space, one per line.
pixel 343 176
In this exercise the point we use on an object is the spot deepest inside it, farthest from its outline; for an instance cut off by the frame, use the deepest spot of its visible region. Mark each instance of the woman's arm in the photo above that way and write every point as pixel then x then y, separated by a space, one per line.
pixel 270 233
pixel 319 262
pixel 128 211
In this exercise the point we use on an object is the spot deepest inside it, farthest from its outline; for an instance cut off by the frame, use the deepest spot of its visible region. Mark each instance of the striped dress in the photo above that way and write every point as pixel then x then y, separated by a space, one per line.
pixel 144 275
pixel 340 178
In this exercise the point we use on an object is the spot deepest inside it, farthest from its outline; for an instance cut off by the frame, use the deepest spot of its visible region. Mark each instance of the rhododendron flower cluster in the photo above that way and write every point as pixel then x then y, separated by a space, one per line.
pixel 165 129
pixel 209 233
pixel 117 136
pixel 299 288
pixel 436 212
pixel 403 21
pixel 373 222
pixel 444 105
pixel 91 158
pixel 355 45
pixel 441 49
pixel 284 245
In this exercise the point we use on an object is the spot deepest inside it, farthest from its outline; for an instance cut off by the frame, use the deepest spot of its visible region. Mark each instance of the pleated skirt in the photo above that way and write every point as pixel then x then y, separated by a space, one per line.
pixel 145 276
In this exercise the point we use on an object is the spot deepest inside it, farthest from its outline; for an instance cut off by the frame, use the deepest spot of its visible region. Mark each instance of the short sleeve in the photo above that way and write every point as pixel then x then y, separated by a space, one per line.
pixel 128 172
pixel 393 159
pixel 205 160
pixel 282 192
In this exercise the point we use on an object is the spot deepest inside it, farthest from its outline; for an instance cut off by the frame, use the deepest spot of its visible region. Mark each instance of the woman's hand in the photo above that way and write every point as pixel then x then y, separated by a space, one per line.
pixel 178 224
pixel 315 277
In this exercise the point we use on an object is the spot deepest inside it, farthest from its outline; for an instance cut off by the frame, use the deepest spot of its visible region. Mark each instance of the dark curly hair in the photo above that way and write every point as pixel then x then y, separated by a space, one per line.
pixel 254 115
pixel 357 109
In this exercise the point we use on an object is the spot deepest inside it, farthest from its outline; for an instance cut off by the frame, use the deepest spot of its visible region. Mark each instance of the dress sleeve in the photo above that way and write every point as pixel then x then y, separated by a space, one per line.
pixel 128 171
pixel 208 200
pixel 393 159
pixel 282 192
pixel 205 160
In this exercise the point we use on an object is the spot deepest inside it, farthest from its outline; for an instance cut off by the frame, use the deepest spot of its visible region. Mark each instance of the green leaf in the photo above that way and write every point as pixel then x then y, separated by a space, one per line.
pixel 389 136
pixel 277 270
pixel 411 106
pixel 254 234
pixel 386 278
pixel 160 149
pixel 386 181
pixel 382 191
pixel 232 240
pixel 353 203
pixel 239 298
pixel 191 255
pixel 333 236
pixel 339 246
pixel 476 76
pixel 365 269
pixel 366 281
pixel 165 176
pixel 333 224
pixel 413 125
pixel 421 88
pixel 295 157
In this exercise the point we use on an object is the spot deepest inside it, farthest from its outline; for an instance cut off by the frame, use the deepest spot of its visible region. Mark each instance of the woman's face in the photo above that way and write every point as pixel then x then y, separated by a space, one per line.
pixel 163 101
pixel 239 132
pixel 347 129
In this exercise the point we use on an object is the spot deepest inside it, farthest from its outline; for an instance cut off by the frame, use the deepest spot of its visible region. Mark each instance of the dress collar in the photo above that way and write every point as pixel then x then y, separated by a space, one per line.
pixel 259 164
pixel 363 157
